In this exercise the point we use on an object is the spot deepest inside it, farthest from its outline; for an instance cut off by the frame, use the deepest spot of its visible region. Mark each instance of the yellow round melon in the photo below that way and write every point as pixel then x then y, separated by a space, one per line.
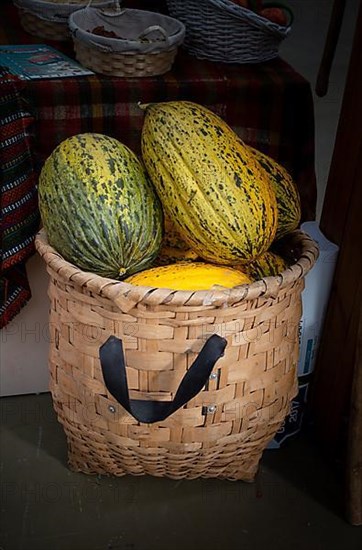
pixel 189 276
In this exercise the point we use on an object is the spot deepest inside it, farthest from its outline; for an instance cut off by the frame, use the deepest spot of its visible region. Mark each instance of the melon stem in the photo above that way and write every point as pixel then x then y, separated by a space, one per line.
pixel 144 106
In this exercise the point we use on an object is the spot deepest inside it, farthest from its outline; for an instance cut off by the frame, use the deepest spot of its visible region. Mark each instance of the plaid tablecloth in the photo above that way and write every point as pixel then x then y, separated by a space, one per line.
pixel 269 105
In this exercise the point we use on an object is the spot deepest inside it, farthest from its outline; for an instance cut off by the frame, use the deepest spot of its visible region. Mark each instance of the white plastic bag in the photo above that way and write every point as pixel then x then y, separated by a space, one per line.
pixel 315 296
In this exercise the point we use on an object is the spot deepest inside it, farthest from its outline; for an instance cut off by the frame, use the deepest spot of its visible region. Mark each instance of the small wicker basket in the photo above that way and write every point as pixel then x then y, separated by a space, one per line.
pixel 49 18
pixel 221 30
pixel 134 42
pixel 138 419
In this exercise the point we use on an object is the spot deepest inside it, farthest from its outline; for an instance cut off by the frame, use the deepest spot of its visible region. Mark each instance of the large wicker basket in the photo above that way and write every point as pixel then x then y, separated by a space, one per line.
pixel 220 431
pixel 221 30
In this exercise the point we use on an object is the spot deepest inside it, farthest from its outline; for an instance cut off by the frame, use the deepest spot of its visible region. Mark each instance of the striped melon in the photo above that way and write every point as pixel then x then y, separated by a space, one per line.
pixel 209 183
pixel 170 255
pixel 267 265
pixel 98 207
pixel 171 237
pixel 173 248
pixel 286 191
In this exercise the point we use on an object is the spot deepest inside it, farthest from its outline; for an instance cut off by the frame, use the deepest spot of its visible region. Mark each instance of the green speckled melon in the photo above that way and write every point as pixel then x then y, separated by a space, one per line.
pixel 98 207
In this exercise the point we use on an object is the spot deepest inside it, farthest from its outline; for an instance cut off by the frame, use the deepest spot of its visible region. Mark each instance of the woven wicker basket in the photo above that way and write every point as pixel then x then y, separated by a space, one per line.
pixel 49 18
pixel 221 30
pixel 220 431
pixel 148 44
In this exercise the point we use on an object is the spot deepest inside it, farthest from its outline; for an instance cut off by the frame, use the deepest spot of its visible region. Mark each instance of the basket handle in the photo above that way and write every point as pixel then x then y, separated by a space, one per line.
pixel 117 6
pixel 154 28
pixel 115 378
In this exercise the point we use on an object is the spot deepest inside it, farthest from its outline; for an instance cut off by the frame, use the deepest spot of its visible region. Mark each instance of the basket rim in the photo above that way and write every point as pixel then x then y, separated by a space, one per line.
pixel 55 12
pixel 126 296
pixel 59 6
pixel 254 19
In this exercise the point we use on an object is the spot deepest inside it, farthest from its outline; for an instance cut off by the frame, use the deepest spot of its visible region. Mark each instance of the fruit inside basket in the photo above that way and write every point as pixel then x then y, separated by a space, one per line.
pixel 277 12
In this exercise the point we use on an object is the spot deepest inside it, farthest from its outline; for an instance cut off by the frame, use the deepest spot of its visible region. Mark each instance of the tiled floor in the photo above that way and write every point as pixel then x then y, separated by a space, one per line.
pixel 297 500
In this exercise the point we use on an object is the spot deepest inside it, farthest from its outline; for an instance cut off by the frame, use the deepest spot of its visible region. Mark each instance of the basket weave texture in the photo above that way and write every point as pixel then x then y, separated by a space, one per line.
pixel 221 432
pixel 147 42
pixel 49 18
pixel 50 30
pixel 123 65
pixel 220 30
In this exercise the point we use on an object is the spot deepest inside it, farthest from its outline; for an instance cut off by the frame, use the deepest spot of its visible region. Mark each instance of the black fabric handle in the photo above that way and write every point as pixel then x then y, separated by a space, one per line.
pixel 115 378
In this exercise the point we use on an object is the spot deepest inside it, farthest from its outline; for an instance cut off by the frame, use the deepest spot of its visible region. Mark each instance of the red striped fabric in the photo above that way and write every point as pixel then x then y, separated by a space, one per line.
pixel 19 206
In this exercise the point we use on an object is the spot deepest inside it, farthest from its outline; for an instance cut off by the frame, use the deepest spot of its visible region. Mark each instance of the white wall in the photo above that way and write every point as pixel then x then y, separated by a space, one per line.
pixel 24 341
